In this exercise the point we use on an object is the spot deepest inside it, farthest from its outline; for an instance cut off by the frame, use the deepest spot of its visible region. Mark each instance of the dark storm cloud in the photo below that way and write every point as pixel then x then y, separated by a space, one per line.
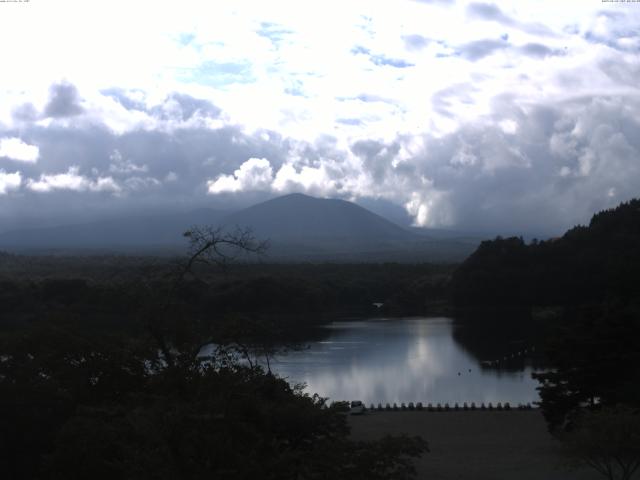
pixel 377 156
pixel 564 162
pixel 158 168
pixel 64 101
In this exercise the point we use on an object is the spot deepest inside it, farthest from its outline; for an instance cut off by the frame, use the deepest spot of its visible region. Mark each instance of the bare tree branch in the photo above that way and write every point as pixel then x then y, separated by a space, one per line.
pixel 209 246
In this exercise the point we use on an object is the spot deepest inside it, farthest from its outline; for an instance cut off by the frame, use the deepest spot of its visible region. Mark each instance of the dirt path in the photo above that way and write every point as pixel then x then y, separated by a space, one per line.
pixel 479 445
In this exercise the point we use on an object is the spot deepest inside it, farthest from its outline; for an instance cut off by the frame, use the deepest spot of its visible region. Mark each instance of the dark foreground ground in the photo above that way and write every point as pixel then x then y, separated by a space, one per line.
pixel 476 445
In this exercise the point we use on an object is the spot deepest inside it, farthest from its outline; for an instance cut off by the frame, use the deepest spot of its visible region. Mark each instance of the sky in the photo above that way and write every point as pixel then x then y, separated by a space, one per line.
pixel 485 116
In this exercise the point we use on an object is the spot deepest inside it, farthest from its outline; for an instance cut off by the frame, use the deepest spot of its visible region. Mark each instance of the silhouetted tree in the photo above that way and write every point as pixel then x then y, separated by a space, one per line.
pixel 594 355
pixel 607 440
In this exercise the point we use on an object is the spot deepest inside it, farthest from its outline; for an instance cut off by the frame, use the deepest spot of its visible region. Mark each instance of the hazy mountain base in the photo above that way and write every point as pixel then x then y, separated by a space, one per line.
pixel 346 250
pixel 300 251
pixel 131 234
pixel 300 229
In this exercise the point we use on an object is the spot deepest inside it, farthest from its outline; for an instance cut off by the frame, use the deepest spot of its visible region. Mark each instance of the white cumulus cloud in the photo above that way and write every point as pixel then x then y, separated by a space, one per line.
pixel 254 174
pixel 15 149
pixel 9 181
pixel 72 180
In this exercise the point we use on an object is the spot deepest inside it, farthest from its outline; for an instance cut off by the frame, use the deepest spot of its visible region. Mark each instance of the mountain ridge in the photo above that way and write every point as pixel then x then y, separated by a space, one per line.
pixel 299 228
pixel 298 216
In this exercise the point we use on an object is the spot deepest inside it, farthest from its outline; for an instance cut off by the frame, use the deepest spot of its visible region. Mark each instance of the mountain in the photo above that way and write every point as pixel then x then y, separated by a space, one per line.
pixel 298 217
pixel 298 227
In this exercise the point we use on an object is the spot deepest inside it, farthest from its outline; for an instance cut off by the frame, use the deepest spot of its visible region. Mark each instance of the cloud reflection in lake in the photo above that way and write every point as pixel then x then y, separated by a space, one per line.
pixel 400 360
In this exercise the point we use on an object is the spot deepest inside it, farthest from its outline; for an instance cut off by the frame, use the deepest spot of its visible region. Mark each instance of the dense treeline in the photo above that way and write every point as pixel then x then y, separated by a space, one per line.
pixel 308 291
pixel 78 400
pixel 327 288
pixel 586 265
pixel 587 283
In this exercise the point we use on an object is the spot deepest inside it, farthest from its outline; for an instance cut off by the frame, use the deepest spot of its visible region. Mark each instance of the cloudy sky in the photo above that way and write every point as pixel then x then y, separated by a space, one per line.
pixel 499 116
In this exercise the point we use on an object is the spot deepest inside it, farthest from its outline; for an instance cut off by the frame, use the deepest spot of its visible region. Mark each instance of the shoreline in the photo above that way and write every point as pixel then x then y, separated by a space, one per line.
pixel 445 407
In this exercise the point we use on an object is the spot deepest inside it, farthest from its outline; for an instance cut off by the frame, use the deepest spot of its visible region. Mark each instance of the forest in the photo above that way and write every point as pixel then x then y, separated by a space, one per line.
pixel 102 375
pixel 583 287
pixel 588 264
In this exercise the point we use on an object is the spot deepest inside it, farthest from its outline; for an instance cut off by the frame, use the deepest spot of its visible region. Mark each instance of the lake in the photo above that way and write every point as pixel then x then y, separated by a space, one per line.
pixel 406 360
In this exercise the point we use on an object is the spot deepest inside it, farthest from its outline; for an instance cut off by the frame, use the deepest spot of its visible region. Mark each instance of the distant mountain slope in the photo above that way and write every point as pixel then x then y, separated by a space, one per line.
pixel 304 228
pixel 299 228
pixel 296 216
pixel 129 232
pixel 587 264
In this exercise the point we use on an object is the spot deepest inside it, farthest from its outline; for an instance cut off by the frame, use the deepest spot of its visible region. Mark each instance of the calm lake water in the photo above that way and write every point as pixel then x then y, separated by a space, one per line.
pixel 402 360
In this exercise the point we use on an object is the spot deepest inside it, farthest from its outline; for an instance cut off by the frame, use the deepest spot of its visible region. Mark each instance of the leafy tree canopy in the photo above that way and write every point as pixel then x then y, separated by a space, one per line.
pixel 587 264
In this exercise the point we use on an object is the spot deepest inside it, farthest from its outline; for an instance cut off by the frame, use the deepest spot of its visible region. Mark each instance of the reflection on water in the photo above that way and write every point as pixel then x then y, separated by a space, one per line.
pixel 400 360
